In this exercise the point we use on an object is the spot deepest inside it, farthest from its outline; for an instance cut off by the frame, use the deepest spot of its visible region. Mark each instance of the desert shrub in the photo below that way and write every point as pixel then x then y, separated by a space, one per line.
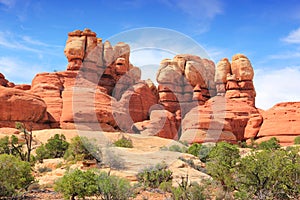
pixel 186 191
pixel 112 187
pixel 44 169
pixel 81 148
pixel 55 147
pixel 83 184
pixel 4 145
pixel 42 153
pixel 204 152
pixel 192 164
pixel 271 144
pixel 221 161
pixel 124 142
pixel 113 160
pixel 175 148
pixel 15 175
pixel 194 149
pixel 297 140
pixel 76 183
pixel 154 176
pixel 269 175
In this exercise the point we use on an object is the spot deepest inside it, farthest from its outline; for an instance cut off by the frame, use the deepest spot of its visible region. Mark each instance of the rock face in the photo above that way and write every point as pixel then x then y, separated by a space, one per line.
pixel 100 86
pixel 281 121
pixel 231 115
pixel 19 106
pixel 184 82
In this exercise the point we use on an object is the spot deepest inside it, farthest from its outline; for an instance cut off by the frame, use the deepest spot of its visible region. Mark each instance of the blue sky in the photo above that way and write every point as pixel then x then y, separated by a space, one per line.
pixel 33 35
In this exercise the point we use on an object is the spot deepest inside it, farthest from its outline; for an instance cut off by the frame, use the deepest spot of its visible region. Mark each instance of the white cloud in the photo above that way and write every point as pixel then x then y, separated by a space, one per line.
pixel 284 55
pixel 293 37
pixel 26 43
pixel 17 71
pixel 275 86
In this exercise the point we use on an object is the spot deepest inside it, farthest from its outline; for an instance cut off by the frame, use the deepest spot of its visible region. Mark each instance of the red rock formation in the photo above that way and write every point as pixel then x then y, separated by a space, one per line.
pixel 184 82
pixel 281 121
pixel 20 106
pixel 231 115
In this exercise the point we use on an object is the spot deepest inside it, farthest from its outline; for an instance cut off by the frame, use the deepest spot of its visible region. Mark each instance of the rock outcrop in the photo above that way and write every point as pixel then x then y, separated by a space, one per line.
pixel 20 106
pixel 184 82
pixel 231 115
pixel 99 86
pixel 281 121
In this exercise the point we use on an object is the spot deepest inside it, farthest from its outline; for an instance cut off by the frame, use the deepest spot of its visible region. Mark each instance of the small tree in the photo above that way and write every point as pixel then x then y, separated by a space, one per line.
pixel 55 147
pixel 15 175
pixel 221 161
pixel 28 139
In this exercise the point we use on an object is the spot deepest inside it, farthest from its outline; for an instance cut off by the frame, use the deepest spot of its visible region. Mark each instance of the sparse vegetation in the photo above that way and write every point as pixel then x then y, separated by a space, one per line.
pixel 124 142
pixel 188 191
pixel 175 148
pixel 83 184
pixel 154 176
pixel 113 160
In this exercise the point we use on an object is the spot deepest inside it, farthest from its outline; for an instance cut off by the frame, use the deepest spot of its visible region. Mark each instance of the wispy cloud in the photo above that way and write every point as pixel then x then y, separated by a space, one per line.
pixel 8 3
pixel 293 37
pixel 199 12
pixel 18 71
pixel 26 43
pixel 275 86
pixel 199 9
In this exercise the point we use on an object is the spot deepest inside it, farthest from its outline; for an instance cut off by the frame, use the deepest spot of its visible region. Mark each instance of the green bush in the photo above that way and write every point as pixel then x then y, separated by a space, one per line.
pixel 4 145
pixel 93 183
pixel 15 175
pixel 269 175
pixel 77 183
pixel 204 152
pixel 124 142
pixel 194 149
pixel 297 140
pixel 154 176
pixel 112 187
pixel 81 148
pixel 271 144
pixel 55 147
